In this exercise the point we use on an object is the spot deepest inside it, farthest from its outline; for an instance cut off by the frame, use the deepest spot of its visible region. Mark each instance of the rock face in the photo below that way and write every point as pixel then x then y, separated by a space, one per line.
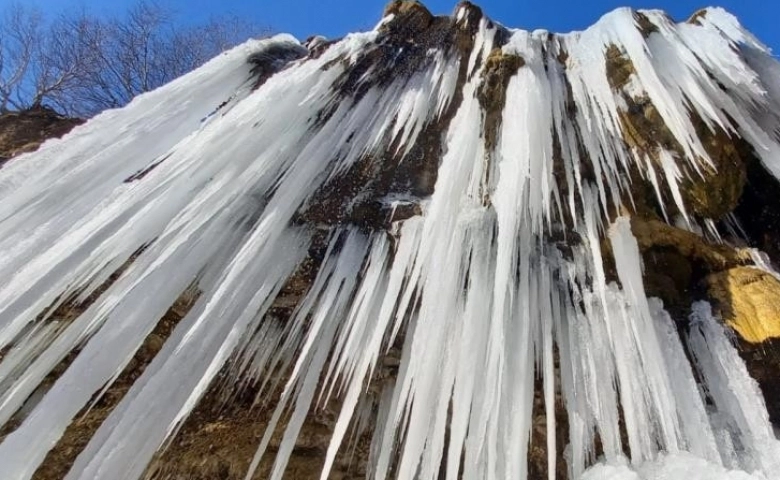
pixel 748 301
pixel 695 223
pixel 22 132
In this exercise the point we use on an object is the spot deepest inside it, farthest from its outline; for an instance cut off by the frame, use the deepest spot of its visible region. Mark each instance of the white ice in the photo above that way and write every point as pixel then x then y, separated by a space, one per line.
pixel 474 292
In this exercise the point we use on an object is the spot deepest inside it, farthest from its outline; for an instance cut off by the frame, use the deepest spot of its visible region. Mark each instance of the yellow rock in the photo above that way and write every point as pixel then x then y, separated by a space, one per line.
pixel 749 302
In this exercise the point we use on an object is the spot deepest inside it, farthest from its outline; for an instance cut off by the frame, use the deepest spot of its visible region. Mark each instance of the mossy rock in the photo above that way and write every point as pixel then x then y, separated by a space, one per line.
pixel 716 191
pixel 498 71
pixel 619 67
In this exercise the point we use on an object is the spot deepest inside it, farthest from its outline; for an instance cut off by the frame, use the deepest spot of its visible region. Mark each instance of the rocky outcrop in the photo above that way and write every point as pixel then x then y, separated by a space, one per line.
pixel 733 191
pixel 748 301
pixel 25 131
pixel 681 267
pixel 275 57
pixel 676 262
pixel 379 190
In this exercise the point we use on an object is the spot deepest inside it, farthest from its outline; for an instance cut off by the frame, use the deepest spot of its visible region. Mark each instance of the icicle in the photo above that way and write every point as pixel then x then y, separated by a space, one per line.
pixel 137 205
pixel 735 395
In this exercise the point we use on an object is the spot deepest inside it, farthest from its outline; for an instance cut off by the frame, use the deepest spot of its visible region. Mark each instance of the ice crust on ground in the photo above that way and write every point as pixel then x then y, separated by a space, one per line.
pixel 480 300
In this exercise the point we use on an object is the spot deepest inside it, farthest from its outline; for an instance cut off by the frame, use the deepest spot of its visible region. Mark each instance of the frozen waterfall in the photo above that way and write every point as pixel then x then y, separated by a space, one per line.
pixel 474 291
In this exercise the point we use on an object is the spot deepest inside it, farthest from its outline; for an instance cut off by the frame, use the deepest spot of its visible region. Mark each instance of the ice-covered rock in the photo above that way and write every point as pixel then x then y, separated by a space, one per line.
pixel 426 251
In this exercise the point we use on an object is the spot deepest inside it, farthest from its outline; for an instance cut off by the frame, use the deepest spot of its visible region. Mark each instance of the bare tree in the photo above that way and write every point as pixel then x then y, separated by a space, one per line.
pixel 20 34
pixel 64 60
pixel 81 64
pixel 147 49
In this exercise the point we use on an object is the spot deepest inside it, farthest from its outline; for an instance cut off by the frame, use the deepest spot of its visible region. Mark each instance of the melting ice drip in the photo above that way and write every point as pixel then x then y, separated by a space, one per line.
pixel 481 302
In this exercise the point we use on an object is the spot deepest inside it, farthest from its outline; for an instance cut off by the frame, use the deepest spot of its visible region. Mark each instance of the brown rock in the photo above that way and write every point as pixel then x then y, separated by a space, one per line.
pixel 646 27
pixel 716 191
pixel 25 131
pixel 500 67
pixel 715 257
pixel 676 262
pixel 619 67
pixel 412 15
pixel 696 18
pixel 712 192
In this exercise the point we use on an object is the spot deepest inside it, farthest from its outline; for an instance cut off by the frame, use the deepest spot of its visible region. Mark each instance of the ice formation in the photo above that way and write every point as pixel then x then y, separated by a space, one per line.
pixel 473 289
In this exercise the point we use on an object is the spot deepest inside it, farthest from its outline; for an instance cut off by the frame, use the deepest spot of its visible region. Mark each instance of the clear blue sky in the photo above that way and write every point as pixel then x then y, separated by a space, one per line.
pixel 333 18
